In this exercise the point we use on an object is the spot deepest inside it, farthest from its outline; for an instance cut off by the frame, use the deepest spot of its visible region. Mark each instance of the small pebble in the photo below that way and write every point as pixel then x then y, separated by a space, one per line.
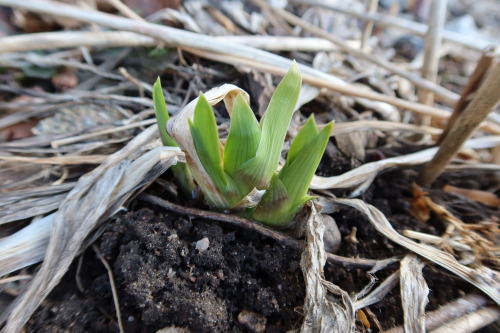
pixel 202 244
pixel 331 237
pixel 253 321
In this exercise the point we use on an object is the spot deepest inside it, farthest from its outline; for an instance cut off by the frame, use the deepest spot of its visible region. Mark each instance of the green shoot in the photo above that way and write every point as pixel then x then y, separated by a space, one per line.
pixel 181 172
pixel 250 157
pixel 287 192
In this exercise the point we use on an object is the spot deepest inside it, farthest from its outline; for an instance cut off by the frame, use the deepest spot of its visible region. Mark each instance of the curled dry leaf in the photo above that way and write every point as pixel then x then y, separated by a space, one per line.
pixel 419 208
pixel 414 291
pixel 178 128
pixel 320 313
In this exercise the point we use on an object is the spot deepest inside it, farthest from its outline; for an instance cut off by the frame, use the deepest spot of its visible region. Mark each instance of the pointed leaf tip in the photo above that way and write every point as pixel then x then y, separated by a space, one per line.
pixel 161 113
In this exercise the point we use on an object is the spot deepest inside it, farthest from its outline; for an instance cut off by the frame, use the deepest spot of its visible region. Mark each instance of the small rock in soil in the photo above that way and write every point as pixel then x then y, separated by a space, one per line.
pixel 202 244
pixel 253 321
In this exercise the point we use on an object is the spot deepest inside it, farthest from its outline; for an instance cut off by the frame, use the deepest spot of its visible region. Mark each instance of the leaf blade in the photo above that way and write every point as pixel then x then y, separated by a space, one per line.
pixel 206 141
pixel 162 115
pixel 244 136
pixel 274 125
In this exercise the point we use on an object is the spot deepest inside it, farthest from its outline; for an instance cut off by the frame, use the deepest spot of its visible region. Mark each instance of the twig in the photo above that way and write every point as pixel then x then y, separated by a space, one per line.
pixel 113 287
pixel 371 7
pixel 347 263
pixel 431 51
pixel 448 312
pixel 133 80
pixel 485 100
pixel 415 28
pixel 483 66
pixel 446 94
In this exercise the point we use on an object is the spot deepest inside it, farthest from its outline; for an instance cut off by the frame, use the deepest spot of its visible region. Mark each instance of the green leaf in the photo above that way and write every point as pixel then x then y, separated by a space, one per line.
pixel 181 171
pixel 295 177
pixel 306 134
pixel 273 202
pixel 259 170
pixel 299 170
pixel 162 114
pixel 243 138
pixel 206 141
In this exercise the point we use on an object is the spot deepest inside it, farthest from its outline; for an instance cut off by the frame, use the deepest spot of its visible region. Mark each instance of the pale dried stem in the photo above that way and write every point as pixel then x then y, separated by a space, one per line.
pixel 433 40
pixel 415 28
pixel 371 7
pixel 483 102
pixel 445 94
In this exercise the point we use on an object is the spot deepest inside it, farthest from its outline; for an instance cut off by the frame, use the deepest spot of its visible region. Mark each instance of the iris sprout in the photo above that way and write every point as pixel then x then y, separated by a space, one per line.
pixel 248 161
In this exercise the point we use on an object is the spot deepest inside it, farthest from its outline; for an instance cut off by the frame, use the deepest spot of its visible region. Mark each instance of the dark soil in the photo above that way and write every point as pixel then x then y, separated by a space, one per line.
pixel 243 282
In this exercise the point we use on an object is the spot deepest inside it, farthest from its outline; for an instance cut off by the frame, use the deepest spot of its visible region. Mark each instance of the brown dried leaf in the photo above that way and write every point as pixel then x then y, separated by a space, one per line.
pixel 419 208
pixel 483 197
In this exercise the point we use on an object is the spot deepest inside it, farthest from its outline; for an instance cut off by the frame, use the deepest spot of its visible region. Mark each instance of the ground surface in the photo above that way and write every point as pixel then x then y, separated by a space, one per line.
pixel 163 280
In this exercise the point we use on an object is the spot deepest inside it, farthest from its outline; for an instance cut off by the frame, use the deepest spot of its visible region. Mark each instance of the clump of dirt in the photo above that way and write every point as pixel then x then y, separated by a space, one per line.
pixel 164 280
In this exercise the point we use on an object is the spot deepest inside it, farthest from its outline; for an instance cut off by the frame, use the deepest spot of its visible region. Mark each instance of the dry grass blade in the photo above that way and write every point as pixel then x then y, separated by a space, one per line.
pixel 30 207
pixel 414 291
pixel 321 314
pixel 482 277
pixel 70 39
pixel 471 322
pixel 379 293
pixel 361 177
pixel 448 312
pixel 217 50
pixel 370 125
pixel 96 196
pixel 59 160
pixel 25 247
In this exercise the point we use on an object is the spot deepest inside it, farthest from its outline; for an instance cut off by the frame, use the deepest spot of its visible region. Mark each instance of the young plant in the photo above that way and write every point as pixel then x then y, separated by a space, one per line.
pixel 249 159
pixel 181 171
